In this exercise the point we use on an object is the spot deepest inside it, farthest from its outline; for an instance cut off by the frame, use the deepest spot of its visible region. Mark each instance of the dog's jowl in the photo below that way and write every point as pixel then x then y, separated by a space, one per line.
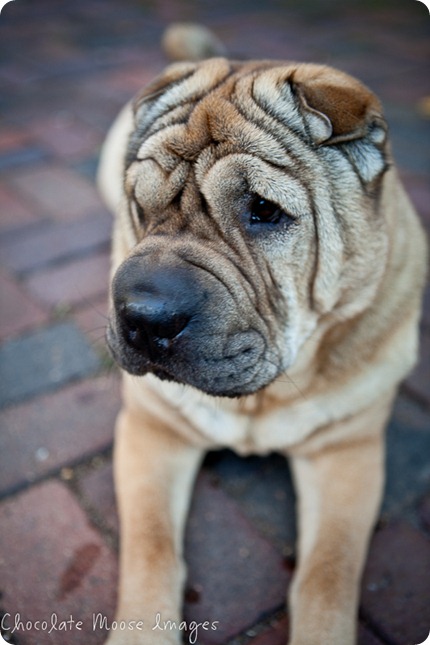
pixel 261 230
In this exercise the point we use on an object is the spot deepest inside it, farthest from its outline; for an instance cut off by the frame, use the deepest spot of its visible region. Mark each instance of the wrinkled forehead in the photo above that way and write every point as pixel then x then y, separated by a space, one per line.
pixel 283 115
pixel 217 103
pixel 197 115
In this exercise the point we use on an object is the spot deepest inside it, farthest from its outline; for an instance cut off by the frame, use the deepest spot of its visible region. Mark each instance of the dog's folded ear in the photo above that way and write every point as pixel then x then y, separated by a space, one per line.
pixel 340 111
pixel 337 107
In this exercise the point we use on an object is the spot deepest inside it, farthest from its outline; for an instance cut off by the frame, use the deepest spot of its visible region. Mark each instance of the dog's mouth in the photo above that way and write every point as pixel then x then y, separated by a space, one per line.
pixel 231 367
pixel 186 322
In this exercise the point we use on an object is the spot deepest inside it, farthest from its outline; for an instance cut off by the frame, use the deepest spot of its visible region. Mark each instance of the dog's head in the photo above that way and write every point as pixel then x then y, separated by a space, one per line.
pixel 252 194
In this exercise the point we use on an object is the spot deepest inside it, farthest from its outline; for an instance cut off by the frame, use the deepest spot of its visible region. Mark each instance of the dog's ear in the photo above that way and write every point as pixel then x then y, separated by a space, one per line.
pixel 337 107
pixel 340 111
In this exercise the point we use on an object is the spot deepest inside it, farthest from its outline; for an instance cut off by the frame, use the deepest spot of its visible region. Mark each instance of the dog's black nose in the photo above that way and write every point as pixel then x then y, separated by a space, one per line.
pixel 154 304
pixel 150 321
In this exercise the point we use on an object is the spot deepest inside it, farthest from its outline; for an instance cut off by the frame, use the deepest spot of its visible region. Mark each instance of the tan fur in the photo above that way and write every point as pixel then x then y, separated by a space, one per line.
pixel 336 300
pixel 192 42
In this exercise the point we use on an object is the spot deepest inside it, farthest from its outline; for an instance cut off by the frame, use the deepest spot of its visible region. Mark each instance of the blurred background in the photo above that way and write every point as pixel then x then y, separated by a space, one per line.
pixel 66 68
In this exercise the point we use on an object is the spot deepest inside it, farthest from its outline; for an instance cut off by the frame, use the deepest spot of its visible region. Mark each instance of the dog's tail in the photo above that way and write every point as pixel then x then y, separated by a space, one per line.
pixel 188 41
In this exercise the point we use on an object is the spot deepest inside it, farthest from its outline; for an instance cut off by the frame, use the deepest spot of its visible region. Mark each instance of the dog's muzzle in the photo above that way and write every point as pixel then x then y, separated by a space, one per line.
pixel 181 322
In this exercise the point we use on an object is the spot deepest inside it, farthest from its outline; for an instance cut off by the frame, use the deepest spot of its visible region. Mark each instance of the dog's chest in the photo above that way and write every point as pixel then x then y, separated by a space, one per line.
pixel 247 428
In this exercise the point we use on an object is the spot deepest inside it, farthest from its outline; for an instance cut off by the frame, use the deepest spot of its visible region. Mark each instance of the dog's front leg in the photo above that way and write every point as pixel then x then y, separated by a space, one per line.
pixel 339 490
pixel 154 473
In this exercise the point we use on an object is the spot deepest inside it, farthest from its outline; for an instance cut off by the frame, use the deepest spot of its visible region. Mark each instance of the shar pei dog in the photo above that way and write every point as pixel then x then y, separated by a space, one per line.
pixel 266 284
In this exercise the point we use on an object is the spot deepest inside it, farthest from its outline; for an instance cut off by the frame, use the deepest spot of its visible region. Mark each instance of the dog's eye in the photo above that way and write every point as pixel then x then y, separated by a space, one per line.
pixel 262 211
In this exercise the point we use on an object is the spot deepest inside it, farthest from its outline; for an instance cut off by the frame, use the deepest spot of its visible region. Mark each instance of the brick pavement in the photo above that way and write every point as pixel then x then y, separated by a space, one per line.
pixel 65 70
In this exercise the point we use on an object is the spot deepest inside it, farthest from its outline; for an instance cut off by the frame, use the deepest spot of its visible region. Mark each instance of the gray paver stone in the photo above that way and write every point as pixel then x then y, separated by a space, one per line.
pixel 263 489
pixel 408 449
pixel 44 360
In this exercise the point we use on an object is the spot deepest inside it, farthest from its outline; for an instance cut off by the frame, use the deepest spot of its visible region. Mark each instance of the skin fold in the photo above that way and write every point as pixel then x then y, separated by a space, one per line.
pixel 326 289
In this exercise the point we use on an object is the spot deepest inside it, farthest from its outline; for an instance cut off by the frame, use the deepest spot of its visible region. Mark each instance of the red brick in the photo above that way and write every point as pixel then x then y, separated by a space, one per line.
pixel 57 429
pixel 12 138
pixel 396 593
pixel 57 192
pixel 56 241
pixel 54 562
pixel 96 110
pixel 78 281
pixel 66 136
pixel 275 635
pixel 17 310
pixel 237 576
pixel 15 212
pixel 132 79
